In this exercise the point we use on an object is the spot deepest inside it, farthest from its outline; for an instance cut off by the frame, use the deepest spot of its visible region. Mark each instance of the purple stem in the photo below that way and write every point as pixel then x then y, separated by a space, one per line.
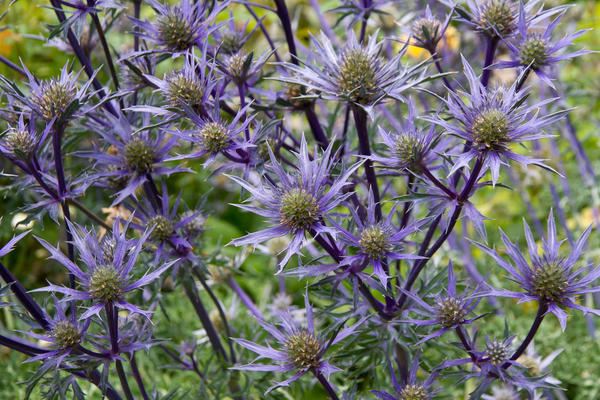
pixel 466 343
pixel 192 292
pixel 245 299
pixel 542 308
pixel 490 51
pixel 24 298
pixel 137 376
pixel 363 27
pixel 326 385
pixel 419 264
pixel 264 31
pixel 83 59
pixel 12 65
pixel 364 148
pixel 437 183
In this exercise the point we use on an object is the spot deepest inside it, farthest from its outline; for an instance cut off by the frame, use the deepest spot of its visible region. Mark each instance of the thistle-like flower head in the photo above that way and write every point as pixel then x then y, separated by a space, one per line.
pixel 533 47
pixel 409 147
pixel 213 135
pixel 21 142
pixel 427 30
pixel 450 309
pixel 103 281
pixel 356 73
pixel 191 86
pixel 162 221
pixel 178 29
pixel 376 241
pixel 130 157
pixel 550 278
pixel 300 347
pixel 493 120
pixel 65 334
pixel 298 203
pixel 56 99
pixel 412 389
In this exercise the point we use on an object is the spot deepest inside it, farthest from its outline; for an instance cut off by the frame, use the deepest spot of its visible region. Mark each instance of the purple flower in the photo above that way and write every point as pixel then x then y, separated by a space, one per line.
pixel 550 278
pixel 22 142
pixel 54 99
pixel 355 73
pixel 427 31
pixel 412 389
pixel 450 310
pixel 492 17
pixel 233 37
pixel 131 156
pixel 493 120
pixel 190 86
pixel 377 241
pixel 241 68
pixel 299 202
pixel 108 267
pixel 178 28
pixel 212 135
pixel 162 222
pixel 409 147
pixel 534 49
pixel 300 348
pixel 65 334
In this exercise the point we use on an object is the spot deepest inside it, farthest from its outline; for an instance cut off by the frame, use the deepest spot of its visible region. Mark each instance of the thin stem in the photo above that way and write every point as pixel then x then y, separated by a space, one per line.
pixel 438 65
pixel 284 17
pixel 315 126
pixel 245 299
pixel 109 60
pixel 407 206
pixel 311 116
pixel 466 343
pixel 123 380
pixel 137 5
pixel 81 56
pixel 264 31
pixel 192 292
pixel 363 27
pixel 490 52
pixel 113 327
pixel 242 105
pixel 437 183
pixel 12 65
pixel 364 148
pixel 57 134
pixel 542 309
pixel 326 385
pixel 89 213
pixel 228 335
pixel 137 376
pixel 420 264
pixel 24 297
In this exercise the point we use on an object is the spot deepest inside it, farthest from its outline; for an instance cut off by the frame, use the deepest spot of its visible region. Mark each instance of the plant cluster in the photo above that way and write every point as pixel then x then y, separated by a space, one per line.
pixel 363 162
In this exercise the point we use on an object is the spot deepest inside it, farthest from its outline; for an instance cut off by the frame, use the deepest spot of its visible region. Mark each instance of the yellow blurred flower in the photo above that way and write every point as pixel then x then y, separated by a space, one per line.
pixel 451 41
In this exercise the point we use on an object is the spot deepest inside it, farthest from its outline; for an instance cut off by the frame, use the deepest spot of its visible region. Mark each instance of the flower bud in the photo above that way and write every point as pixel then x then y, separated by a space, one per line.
pixel 299 209
pixel 303 350
pixel 66 334
pixel 53 98
pixel 163 227
pixel 140 155
pixel 105 284
pixel 175 30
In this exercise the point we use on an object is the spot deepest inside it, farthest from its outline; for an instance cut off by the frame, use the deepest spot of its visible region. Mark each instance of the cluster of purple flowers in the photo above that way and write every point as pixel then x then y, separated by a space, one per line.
pixel 364 217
